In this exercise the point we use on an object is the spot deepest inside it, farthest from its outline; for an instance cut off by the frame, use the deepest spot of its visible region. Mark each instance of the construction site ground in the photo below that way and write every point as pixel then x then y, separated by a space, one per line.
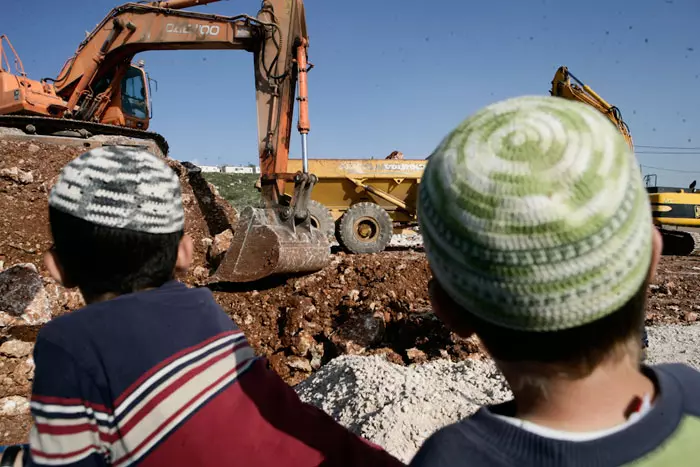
pixel 362 305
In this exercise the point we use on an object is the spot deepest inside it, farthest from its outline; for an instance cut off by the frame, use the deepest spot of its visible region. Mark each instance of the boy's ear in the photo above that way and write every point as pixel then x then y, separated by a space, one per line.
pixel 448 311
pixel 56 270
pixel 657 244
pixel 185 251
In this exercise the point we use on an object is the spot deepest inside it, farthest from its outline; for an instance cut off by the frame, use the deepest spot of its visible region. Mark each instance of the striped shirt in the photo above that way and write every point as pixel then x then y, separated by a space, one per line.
pixel 164 377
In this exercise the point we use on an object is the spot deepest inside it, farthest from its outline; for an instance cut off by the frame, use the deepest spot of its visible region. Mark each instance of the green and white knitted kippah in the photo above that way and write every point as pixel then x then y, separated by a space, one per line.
pixel 534 216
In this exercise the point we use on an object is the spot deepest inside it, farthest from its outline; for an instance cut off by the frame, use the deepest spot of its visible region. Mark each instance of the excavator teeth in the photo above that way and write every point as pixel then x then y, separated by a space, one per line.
pixel 264 245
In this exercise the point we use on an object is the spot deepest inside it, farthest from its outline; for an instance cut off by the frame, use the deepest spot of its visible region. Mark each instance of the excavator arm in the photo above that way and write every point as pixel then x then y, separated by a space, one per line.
pixel 277 37
pixel 88 81
pixel 275 240
pixel 578 91
pixel 673 209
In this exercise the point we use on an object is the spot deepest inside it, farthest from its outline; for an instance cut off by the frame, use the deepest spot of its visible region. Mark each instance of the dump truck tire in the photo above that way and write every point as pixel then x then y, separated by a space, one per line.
pixel 322 219
pixel 365 228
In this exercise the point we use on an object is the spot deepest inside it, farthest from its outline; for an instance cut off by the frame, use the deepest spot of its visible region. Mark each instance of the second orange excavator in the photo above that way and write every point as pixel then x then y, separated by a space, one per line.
pixel 101 92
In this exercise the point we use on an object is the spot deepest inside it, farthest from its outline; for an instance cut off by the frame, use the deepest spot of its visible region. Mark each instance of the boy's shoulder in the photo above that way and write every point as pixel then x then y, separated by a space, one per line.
pixel 681 371
pixel 687 379
pixel 174 308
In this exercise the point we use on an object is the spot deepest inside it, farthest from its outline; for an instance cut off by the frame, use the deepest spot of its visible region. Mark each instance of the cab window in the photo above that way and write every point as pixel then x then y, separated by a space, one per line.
pixel 134 94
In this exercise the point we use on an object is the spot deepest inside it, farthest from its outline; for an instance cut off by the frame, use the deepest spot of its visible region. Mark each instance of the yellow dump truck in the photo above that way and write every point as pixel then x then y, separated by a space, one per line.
pixel 363 202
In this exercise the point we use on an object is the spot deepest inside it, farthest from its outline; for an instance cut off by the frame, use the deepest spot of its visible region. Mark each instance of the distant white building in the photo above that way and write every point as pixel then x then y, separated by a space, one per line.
pixel 230 169
pixel 210 168
pixel 240 169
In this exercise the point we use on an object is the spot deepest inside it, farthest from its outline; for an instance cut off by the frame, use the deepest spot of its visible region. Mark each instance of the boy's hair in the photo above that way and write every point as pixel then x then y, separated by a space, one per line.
pixel 117 219
pixel 575 352
pixel 537 226
pixel 101 260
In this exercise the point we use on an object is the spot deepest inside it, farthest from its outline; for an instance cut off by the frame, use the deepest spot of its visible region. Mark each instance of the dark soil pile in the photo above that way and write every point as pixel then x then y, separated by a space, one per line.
pixel 360 304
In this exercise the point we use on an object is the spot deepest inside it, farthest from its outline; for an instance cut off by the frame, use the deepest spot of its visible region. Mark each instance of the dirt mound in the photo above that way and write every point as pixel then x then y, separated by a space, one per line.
pixel 378 304
pixel 360 305
pixel 27 172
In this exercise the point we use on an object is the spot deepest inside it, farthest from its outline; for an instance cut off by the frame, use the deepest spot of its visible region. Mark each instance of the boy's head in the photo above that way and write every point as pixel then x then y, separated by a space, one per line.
pixel 117 222
pixel 538 231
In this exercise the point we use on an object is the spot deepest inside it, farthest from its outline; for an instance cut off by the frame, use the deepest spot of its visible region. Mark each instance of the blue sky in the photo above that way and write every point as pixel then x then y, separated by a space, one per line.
pixel 400 74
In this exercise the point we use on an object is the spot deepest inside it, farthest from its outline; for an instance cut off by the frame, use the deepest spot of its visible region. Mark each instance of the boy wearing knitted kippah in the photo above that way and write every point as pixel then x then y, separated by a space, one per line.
pixel 538 231
pixel 151 371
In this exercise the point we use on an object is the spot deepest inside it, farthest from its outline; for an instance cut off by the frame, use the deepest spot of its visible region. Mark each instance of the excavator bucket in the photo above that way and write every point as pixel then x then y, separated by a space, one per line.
pixel 274 241
pixel 265 245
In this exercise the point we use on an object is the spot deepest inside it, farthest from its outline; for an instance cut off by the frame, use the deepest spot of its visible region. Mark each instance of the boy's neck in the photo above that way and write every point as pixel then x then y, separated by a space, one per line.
pixel 107 296
pixel 90 299
pixel 602 400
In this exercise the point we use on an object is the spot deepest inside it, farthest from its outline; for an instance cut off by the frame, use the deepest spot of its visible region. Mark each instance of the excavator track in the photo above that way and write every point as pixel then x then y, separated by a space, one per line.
pixel 50 126
pixel 680 242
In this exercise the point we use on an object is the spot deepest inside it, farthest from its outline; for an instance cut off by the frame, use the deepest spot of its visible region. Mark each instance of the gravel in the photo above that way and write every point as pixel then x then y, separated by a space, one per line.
pixel 406 241
pixel 399 241
pixel 398 407
pixel 679 344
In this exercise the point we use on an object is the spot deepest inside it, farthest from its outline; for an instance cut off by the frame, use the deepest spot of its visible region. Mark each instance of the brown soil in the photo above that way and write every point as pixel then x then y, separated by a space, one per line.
pixel 673 295
pixel 360 304
pixel 24 231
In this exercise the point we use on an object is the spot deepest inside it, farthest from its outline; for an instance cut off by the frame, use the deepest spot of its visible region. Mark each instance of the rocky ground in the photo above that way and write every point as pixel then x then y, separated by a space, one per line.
pixel 365 305
pixel 673 297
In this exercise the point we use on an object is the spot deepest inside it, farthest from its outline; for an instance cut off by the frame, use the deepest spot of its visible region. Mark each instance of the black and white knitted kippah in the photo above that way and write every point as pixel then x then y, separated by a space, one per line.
pixel 121 187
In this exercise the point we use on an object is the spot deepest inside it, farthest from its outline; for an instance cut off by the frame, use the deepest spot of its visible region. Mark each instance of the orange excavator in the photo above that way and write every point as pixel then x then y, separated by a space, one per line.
pixel 100 92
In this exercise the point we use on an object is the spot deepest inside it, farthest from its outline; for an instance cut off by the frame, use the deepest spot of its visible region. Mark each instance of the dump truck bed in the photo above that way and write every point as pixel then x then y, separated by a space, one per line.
pixel 343 182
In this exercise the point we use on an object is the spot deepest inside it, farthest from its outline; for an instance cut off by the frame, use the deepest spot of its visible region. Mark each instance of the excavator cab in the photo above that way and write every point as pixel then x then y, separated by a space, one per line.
pixel 130 103
pixel 135 98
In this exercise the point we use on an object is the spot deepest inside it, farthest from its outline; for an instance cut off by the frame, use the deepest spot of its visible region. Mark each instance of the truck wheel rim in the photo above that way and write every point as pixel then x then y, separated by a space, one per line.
pixel 314 222
pixel 366 229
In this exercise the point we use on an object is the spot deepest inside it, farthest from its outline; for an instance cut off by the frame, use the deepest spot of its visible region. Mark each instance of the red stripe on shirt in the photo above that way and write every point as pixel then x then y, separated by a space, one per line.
pixel 70 402
pixel 168 361
pixel 172 387
pixel 190 402
pixel 37 453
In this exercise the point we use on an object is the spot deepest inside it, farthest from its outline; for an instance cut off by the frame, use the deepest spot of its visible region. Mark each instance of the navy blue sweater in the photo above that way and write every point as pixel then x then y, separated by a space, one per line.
pixel 668 435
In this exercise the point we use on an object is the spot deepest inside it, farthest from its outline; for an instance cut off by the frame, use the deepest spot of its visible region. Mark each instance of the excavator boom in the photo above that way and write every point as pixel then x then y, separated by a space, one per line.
pixel 672 208
pixel 179 4
pixel 578 91
pixel 90 90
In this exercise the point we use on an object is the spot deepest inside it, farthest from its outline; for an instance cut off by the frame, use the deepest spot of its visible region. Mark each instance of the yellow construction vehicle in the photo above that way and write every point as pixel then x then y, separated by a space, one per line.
pixel 362 202
pixel 674 210
pixel 101 92
pixel 577 91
